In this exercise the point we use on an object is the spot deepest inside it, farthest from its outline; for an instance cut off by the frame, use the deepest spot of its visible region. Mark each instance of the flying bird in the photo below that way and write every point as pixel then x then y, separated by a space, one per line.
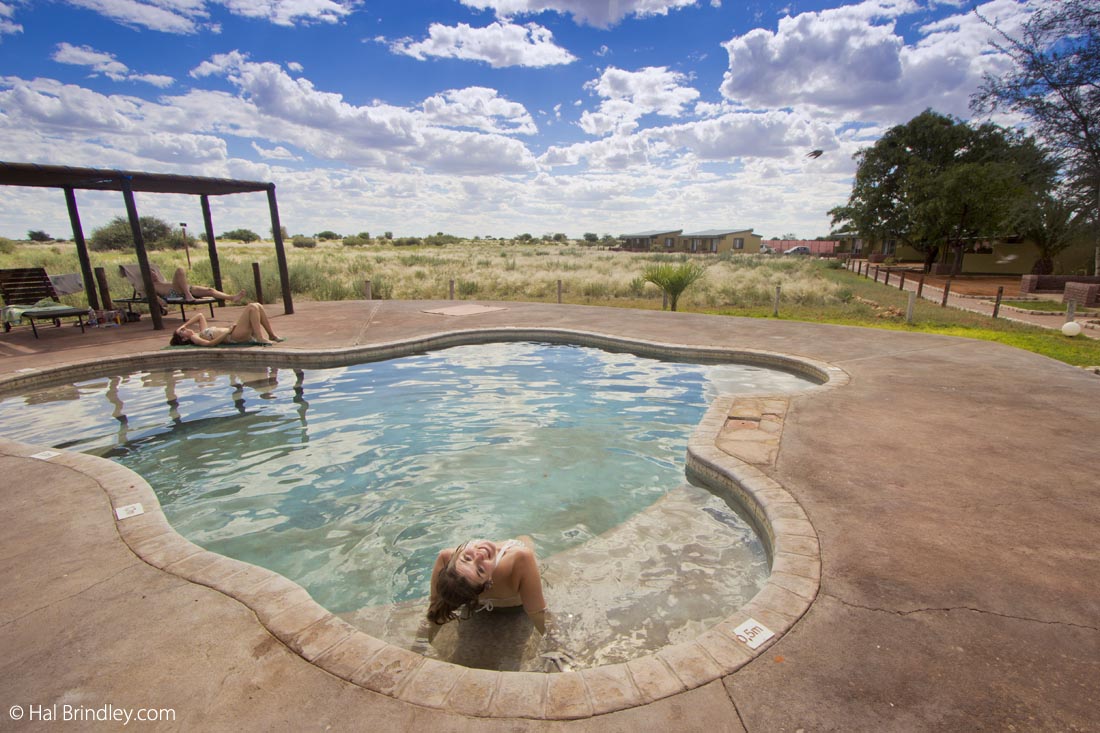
pixel 815 153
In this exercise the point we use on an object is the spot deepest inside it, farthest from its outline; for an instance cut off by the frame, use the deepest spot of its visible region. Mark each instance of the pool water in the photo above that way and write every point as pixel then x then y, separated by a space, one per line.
pixel 349 480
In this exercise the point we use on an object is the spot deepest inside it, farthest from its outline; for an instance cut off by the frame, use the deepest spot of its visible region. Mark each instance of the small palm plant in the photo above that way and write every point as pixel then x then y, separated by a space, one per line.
pixel 673 280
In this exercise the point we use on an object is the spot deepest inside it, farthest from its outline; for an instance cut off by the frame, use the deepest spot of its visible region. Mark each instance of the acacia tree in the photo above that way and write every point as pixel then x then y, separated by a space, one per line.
pixel 1056 83
pixel 937 182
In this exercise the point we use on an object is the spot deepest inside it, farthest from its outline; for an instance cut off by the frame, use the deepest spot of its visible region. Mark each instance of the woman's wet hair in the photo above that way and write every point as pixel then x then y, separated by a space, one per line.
pixel 456 597
pixel 178 340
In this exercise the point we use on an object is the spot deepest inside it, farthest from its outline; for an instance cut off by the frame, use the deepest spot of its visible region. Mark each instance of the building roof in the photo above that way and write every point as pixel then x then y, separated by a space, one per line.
pixel 652 233
pixel 60 176
pixel 716 232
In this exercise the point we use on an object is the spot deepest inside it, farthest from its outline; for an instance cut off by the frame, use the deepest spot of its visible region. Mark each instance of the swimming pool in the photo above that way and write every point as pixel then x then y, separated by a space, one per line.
pixel 349 480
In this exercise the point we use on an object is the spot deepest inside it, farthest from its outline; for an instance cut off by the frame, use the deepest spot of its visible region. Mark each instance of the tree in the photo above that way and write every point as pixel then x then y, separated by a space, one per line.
pixel 673 280
pixel 937 182
pixel 1052 225
pixel 1056 83
pixel 37 235
pixel 591 237
pixel 326 235
pixel 117 234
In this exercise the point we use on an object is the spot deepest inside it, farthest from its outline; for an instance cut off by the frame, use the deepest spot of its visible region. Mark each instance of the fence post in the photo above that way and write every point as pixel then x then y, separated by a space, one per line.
pixel 775 308
pixel 452 288
pixel 997 304
pixel 909 308
pixel 946 292
pixel 664 301
pixel 887 280
pixel 559 292
pixel 920 286
pixel 259 282
pixel 901 285
pixel 367 290
pixel 876 273
pixel 1071 310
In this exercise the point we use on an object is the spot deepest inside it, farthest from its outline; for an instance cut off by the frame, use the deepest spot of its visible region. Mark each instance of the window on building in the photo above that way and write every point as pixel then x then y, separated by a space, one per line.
pixel 668 242
pixel 694 245
pixel 890 247
pixel 739 243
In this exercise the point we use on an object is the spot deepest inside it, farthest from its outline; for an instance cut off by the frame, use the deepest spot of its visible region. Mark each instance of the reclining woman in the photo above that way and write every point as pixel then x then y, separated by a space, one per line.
pixel 483 575
pixel 181 289
pixel 252 327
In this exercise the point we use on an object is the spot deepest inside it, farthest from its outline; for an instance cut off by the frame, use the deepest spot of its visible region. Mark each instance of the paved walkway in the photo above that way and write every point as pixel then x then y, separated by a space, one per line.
pixel 952 485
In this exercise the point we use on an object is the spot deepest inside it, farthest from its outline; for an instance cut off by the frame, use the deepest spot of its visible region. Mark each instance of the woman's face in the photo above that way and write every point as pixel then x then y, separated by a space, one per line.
pixel 474 560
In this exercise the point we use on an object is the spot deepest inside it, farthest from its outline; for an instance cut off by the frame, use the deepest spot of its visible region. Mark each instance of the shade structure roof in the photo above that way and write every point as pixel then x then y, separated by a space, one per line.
pixel 60 176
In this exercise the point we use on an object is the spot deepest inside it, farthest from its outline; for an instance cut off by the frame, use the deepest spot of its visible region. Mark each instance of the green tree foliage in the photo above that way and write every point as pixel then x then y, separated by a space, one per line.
pixel 327 235
pixel 37 235
pixel 241 235
pixel 937 182
pixel 1052 224
pixel 1056 83
pixel 673 280
pixel 302 241
pixel 591 237
pixel 116 235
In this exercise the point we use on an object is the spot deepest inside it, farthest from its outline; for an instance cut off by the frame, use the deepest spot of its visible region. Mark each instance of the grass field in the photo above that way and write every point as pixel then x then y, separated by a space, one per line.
pixel 741 285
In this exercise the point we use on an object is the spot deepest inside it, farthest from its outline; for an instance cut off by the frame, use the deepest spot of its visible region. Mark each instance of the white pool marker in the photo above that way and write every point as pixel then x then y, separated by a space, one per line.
pixel 45 455
pixel 753 633
pixel 130 510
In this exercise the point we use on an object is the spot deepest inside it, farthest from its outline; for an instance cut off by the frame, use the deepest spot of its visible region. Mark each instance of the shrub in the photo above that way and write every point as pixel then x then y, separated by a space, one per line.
pixel 241 235
pixel 300 240
pixel 466 288
pixel 355 240
pixel 37 235
pixel 327 235
pixel 673 280
pixel 6 246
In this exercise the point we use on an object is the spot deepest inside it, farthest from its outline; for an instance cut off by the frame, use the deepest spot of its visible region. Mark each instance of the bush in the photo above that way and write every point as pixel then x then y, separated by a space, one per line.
pixel 466 288
pixel 37 235
pixel 241 235
pixel 356 240
pixel 300 240
pixel 7 246
pixel 116 235
pixel 327 235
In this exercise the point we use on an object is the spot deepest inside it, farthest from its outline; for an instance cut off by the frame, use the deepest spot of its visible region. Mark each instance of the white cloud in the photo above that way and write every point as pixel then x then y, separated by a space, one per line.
pixel 7 25
pixel 188 16
pixel 295 67
pixel 106 64
pixel 629 95
pixel 851 59
pixel 599 13
pixel 276 153
pixel 479 108
pixel 498 44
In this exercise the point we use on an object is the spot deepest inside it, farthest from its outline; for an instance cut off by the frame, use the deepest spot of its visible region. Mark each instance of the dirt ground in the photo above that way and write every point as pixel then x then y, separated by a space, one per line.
pixel 967 284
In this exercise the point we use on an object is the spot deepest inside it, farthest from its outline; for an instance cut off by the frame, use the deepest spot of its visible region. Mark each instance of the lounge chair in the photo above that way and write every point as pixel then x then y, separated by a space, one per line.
pixel 28 293
pixel 132 273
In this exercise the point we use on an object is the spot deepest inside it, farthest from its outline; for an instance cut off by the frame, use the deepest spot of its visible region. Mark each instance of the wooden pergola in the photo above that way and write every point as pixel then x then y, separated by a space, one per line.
pixel 94 179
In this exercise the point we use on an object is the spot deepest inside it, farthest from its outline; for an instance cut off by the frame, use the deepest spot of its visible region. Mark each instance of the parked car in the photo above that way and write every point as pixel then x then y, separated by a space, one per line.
pixel 799 250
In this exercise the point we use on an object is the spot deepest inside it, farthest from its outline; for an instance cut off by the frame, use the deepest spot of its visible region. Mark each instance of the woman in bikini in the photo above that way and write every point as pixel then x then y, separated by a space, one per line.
pixel 181 289
pixel 252 327
pixel 481 574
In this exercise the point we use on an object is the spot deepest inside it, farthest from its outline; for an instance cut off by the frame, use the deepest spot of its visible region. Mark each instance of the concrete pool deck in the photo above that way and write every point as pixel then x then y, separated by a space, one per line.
pixel 952 485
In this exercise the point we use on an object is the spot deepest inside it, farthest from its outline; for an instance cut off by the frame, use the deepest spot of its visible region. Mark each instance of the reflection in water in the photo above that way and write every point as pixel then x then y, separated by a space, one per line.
pixel 401 458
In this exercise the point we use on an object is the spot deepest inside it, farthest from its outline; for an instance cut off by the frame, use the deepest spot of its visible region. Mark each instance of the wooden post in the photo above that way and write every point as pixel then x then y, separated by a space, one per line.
pixel 887 280
pixel 901 285
pixel 101 280
pixel 946 292
pixel 920 286
pixel 1071 310
pixel 909 308
pixel 452 291
pixel 997 304
pixel 142 255
pixel 876 273
pixel 664 301
pixel 280 250
pixel 775 306
pixel 259 282
pixel 559 292
pixel 211 248
pixel 367 290
pixel 81 249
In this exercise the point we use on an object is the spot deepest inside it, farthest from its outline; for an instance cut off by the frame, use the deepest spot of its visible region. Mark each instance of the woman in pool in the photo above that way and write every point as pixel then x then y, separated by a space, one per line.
pixel 253 327
pixel 481 574
pixel 180 288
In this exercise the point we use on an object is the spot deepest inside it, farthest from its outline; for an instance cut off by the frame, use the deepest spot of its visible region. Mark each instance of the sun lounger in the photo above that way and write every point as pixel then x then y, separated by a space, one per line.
pixel 132 273
pixel 28 293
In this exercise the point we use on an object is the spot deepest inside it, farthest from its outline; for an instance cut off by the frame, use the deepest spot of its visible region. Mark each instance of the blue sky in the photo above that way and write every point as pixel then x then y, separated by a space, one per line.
pixel 479 117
